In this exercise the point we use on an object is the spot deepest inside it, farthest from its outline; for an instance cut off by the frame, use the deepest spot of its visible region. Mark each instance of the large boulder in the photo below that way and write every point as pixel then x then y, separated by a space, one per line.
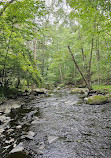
pixel 80 91
pixel 38 91
pixel 98 99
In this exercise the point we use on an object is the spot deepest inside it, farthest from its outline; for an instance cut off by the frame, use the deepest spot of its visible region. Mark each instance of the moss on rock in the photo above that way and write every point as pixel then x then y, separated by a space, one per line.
pixel 97 99
pixel 79 90
pixel 108 97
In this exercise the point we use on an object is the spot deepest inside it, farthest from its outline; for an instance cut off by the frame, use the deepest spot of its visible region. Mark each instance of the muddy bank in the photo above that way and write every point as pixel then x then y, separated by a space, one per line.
pixel 56 127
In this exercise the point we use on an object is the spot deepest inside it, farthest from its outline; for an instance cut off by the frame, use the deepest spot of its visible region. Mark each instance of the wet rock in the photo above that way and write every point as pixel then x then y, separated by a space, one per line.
pixel 80 90
pixel 39 121
pixel 1 122
pixel 97 92
pixel 18 127
pixel 10 104
pixel 58 88
pixel 41 149
pixel 10 130
pixel 9 141
pixel 18 148
pixel 42 146
pixel 31 133
pixel 2 113
pixel 86 99
pixel 36 92
pixel 4 118
pixel 1 102
pixel 1 131
pixel 6 147
pixel 52 139
pixel 29 136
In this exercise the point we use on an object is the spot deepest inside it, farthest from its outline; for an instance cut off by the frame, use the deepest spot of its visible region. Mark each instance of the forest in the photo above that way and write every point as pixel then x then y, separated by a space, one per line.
pixel 55 78
pixel 54 43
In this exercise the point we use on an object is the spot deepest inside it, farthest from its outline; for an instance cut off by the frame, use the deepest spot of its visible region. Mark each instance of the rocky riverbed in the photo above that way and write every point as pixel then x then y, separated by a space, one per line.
pixel 55 127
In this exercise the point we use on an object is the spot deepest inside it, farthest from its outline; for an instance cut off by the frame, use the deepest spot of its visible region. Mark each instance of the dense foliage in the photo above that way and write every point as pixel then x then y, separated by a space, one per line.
pixel 64 43
pixel 17 25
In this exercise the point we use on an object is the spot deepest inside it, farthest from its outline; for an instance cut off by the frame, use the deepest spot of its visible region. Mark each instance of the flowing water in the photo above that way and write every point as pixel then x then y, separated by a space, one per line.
pixel 57 127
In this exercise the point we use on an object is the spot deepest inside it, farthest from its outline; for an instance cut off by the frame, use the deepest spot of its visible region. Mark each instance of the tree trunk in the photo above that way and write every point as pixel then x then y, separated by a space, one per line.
pixel 61 78
pixel 90 61
pixel 98 60
pixel 74 74
pixel 5 60
pixel 35 48
pixel 43 56
pixel 83 56
pixel 87 84
pixel 98 57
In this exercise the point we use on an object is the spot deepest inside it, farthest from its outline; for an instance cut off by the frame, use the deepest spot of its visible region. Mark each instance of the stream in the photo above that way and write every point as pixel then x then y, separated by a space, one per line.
pixel 56 127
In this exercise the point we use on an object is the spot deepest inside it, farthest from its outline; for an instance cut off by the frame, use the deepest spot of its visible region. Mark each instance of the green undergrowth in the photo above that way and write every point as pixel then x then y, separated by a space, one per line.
pixel 104 88
pixel 2 97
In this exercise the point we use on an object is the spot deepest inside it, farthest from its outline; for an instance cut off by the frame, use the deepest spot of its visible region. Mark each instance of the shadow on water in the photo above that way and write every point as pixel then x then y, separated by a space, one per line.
pixel 18 155
pixel 19 124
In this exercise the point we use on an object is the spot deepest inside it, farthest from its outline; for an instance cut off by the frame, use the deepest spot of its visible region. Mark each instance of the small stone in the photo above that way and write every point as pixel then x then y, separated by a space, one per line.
pixel 42 147
pixel 86 99
pixel 80 90
pixel 6 147
pixel 0 122
pixel 27 137
pixel 18 127
pixel 10 130
pixel 31 133
pixel 51 139
pixel 18 148
pixel 9 141
pixel 40 152
pixel 14 145
pixel 1 131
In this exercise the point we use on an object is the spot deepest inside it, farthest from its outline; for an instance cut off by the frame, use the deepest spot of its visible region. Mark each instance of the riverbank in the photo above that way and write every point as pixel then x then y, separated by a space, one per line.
pixel 55 127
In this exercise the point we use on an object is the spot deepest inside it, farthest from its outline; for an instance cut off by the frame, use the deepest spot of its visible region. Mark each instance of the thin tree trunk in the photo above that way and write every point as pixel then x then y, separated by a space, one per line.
pixel 74 75
pixel 8 46
pixel 88 86
pixel 83 57
pixel 61 78
pixel 98 60
pixel 43 56
pixel 90 61
pixel 35 48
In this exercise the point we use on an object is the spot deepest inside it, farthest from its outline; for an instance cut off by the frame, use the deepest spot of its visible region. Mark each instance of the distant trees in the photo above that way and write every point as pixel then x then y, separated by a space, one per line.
pixel 85 29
